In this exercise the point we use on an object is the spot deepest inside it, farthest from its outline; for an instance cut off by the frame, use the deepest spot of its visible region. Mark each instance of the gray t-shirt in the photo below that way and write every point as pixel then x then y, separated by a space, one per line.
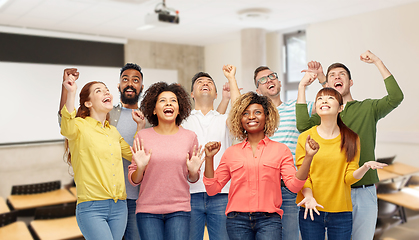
pixel 127 128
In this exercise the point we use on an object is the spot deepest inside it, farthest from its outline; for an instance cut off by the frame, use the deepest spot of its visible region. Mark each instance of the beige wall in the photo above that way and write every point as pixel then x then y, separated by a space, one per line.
pixel 186 59
pixel 393 35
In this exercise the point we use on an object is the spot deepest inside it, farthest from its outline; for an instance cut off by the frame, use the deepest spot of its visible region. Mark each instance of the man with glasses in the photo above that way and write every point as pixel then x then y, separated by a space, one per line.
pixel 267 84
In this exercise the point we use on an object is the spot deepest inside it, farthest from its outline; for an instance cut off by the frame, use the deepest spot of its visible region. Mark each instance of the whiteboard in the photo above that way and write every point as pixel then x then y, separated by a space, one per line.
pixel 30 96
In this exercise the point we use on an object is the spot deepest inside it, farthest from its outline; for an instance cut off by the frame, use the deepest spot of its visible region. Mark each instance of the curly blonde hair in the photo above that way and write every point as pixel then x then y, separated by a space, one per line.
pixel 240 105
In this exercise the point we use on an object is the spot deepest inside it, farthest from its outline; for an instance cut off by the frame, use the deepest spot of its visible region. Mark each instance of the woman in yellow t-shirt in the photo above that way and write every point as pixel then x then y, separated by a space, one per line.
pixel 333 169
pixel 96 150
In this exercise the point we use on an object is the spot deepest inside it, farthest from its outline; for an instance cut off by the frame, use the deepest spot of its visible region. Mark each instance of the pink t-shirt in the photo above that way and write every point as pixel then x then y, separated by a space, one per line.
pixel 164 188
pixel 255 180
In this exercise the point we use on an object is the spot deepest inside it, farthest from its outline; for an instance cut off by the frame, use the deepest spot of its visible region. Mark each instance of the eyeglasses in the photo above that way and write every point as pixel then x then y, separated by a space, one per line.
pixel 264 80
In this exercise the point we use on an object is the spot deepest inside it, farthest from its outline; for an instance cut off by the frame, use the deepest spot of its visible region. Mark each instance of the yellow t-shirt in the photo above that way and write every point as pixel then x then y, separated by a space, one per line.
pixel 330 176
pixel 96 157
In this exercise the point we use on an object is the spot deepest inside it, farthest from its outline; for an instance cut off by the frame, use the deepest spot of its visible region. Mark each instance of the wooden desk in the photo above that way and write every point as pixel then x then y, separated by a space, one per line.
pixel 73 191
pixel 401 169
pixel 15 231
pixel 384 175
pixel 60 196
pixel 408 198
pixel 3 206
pixel 61 228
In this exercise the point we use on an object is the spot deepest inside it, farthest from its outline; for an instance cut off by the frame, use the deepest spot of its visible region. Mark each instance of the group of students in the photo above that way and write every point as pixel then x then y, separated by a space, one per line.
pixel 245 191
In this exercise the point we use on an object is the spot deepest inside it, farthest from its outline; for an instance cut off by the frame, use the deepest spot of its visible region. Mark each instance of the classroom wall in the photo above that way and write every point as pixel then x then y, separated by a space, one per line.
pixel 32 163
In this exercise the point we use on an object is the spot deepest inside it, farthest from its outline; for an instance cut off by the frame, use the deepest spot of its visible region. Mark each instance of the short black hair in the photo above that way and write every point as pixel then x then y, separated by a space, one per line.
pixel 131 66
pixel 201 74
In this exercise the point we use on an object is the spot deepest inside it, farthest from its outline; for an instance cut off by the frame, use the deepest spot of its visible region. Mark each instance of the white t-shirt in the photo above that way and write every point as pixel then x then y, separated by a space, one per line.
pixel 208 128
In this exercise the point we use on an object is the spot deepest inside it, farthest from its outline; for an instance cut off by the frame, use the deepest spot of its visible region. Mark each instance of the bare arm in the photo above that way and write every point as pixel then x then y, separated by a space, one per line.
pixel 230 74
pixel 360 172
pixel 211 149
pixel 141 159
pixel 222 107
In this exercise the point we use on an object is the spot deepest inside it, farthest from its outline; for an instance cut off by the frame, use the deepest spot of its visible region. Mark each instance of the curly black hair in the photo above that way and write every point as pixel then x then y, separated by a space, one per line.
pixel 149 101
pixel 131 66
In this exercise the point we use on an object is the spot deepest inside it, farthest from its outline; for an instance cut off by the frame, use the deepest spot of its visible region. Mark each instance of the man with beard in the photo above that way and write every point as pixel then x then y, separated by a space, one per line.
pixel 130 87
pixel 361 117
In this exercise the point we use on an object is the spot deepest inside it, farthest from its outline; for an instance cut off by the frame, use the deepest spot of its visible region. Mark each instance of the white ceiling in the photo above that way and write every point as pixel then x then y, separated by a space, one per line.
pixel 202 22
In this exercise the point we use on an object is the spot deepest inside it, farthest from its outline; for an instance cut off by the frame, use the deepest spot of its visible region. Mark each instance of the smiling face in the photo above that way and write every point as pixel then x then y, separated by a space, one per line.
pixel 271 88
pixel 167 107
pixel 253 119
pixel 338 78
pixel 130 86
pixel 204 87
pixel 99 98
pixel 328 105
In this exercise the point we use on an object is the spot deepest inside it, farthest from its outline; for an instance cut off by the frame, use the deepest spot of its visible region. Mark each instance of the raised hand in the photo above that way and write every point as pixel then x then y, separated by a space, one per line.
pixel 70 71
pixel 70 83
pixel 312 147
pixel 310 205
pixel 308 78
pixel 139 118
pixel 194 163
pixel 368 57
pixel 140 157
pixel 314 67
pixel 229 71
pixel 212 148
pixel 374 165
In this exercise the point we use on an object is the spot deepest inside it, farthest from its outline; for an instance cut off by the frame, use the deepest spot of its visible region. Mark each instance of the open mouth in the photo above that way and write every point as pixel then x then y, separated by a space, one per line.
pixel 205 89
pixel 106 100
pixel 168 111
pixel 324 107
pixel 271 86
pixel 338 84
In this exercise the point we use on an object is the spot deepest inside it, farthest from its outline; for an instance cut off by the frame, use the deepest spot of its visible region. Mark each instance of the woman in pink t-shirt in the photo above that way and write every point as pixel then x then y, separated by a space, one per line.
pixel 255 167
pixel 165 158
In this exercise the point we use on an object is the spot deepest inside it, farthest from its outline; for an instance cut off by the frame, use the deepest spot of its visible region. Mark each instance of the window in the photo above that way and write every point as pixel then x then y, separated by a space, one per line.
pixel 294 60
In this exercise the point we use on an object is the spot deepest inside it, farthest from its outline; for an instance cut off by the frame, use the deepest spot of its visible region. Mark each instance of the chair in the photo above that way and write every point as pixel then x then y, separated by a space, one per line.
pixel 55 222
pixel 7 218
pixel 386 160
pixel 58 211
pixel 36 188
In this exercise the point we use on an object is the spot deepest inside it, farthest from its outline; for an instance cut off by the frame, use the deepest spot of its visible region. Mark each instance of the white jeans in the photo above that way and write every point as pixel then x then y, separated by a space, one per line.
pixel 364 215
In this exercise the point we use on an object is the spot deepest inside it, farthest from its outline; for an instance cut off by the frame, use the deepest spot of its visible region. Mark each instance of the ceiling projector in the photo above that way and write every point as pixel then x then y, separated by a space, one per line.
pixel 162 17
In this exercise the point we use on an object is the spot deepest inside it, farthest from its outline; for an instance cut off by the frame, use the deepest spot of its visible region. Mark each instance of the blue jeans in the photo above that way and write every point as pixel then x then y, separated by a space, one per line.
pixel 208 210
pixel 251 226
pixel 131 232
pixel 102 220
pixel 171 226
pixel 338 225
pixel 364 204
pixel 290 230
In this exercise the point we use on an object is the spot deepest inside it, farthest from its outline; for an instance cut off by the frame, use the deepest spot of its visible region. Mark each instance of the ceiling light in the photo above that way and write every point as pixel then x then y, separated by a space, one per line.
pixel 254 14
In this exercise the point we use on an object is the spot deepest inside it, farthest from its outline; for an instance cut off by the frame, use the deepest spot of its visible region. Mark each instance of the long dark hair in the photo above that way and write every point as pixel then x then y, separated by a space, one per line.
pixel 82 112
pixel 349 139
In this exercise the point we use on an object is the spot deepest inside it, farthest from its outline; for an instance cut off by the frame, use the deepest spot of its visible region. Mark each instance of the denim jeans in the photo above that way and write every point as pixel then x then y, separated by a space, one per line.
pixel 171 226
pixel 131 232
pixel 290 229
pixel 209 210
pixel 251 226
pixel 338 225
pixel 102 220
pixel 364 204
